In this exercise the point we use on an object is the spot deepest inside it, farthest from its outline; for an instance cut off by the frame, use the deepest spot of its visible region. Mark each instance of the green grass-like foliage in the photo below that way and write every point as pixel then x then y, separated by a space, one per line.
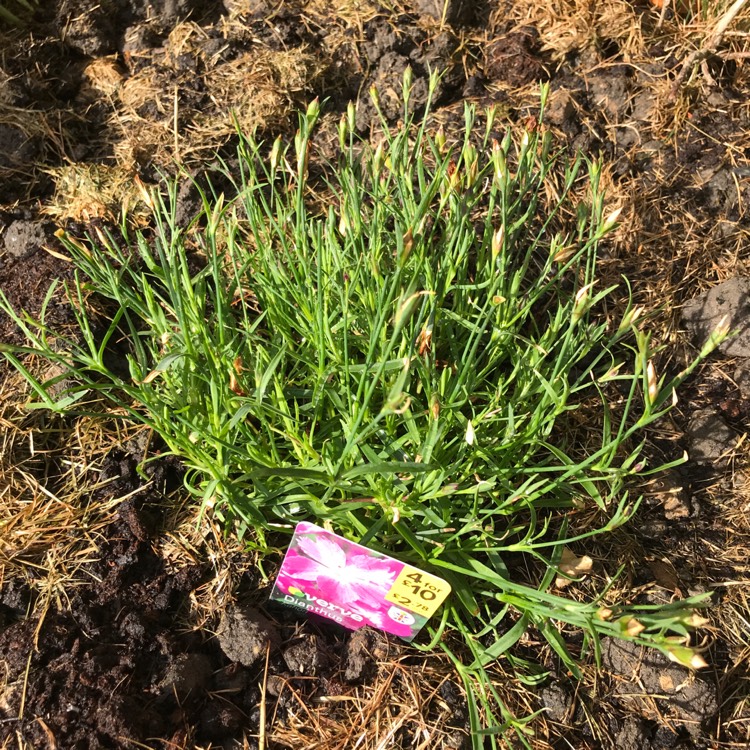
pixel 396 350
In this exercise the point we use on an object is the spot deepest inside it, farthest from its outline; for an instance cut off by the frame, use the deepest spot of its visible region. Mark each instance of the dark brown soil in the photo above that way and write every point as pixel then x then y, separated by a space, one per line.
pixel 118 663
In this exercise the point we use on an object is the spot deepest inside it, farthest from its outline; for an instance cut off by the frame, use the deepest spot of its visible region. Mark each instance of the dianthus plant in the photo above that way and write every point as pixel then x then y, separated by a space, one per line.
pixel 407 342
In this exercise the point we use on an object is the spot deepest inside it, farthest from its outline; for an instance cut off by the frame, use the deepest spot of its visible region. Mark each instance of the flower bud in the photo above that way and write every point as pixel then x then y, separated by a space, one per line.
pixel 631 627
pixel 434 406
pixel 375 96
pixel 499 162
pixel 408 80
pixel 313 111
pixel 343 131
pixel 378 159
pixel 718 336
pixel 275 157
pixel 440 141
pixel 653 385
pixel 582 301
pixel 611 220
pixel 498 239
pixel 630 317
pixel 686 656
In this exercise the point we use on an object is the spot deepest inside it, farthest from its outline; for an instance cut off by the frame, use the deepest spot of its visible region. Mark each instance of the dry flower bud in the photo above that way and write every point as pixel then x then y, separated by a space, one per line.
pixel 718 335
pixel 440 141
pixel 611 220
pixel 572 566
pixel 631 627
pixel 498 238
pixel 378 159
pixel 653 385
pixel 696 621
pixel 146 196
pixel 630 317
pixel 686 656
pixel 435 406
pixel 408 244
pixel 582 301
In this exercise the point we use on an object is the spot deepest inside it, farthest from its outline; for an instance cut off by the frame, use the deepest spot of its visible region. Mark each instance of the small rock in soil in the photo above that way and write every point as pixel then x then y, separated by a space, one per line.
pixel 669 491
pixel 719 195
pixel 450 11
pixel 702 314
pixel 609 93
pixel 633 735
pixel 187 676
pixel 561 109
pixel 90 31
pixel 17 149
pixel 742 378
pixel 245 635
pixel 220 719
pixel 364 648
pixel 710 437
pixel 558 701
pixel 682 696
pixel 306 656
pixel 514 58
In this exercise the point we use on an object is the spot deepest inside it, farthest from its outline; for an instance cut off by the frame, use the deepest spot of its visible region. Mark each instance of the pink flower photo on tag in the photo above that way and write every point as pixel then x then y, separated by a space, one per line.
pixel 325 574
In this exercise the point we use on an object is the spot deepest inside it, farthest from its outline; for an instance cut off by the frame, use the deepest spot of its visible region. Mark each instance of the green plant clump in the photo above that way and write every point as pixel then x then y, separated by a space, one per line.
pixel 398 348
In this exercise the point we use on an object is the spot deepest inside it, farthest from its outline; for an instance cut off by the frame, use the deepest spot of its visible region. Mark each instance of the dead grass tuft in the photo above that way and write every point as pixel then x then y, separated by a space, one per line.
pixel 168 112
pixel 87 191
pixel 403 707
pixel 49 469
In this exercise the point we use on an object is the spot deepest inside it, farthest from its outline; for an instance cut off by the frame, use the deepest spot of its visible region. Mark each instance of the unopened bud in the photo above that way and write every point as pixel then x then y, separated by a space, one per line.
pixel 653 385
pixel 440 140
pixel 499 162
pixel 686 656
pixel 611 220
pixel 408 80
pixel 375 96
pixel 275 157
pixel 631 627
pixel 630 317
pixel 343 132
pixel 434 406
pixel 498 239
pixel 718 335
pixel 378 159
pixel 582 301
pixel 313 110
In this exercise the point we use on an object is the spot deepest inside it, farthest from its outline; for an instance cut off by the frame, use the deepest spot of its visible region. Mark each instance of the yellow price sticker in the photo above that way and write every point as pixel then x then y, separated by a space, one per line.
pixel 418 591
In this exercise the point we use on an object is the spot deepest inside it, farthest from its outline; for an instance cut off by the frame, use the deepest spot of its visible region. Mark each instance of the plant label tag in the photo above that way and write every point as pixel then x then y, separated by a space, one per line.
pixel 327 575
